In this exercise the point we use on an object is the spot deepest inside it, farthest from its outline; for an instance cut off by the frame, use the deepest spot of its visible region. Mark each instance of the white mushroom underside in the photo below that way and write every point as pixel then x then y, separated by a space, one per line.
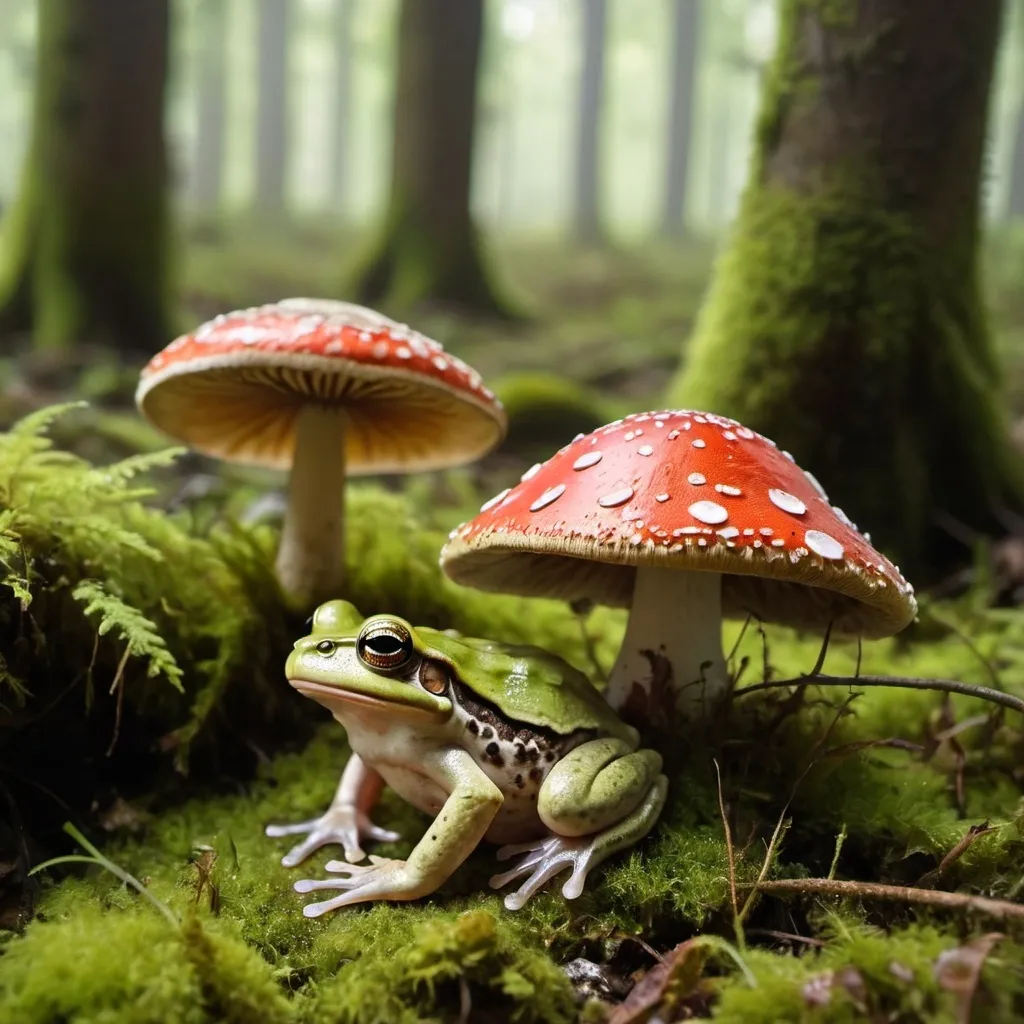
pixel 675 621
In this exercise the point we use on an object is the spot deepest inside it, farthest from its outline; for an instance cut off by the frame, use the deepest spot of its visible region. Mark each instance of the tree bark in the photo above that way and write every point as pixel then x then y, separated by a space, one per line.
pixel 1015 203
pixel 844 320
pixel 340 112
pixel 429 251
pixel 272 107
pixel 587 207
pixel 84 250
pixel 683 77
pixel 208 159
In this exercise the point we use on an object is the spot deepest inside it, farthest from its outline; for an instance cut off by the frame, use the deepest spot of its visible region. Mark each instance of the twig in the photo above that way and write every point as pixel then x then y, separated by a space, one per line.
pixel 896 893
pixel 771 933
pixel 1007 700
pixel 729 851
pixel 840 839
pixel 779 825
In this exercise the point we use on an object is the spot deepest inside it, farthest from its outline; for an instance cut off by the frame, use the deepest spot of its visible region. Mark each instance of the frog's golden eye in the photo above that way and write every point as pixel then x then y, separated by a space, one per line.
pixel 385 645
pixel 326 646
pixel 433 677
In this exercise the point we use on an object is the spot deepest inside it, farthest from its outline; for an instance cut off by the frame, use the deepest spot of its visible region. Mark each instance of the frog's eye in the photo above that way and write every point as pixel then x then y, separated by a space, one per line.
pixel 385 645
pixel 326 646
pixel 433 677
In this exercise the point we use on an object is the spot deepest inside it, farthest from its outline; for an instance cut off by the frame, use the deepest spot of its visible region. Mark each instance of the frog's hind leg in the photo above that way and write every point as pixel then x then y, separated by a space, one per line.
pixel 599 799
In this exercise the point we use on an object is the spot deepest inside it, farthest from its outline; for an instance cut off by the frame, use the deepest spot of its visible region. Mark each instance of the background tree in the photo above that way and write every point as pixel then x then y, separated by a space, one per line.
pixel 587 191
pixel 83 252
pixel 429 250
pixel 340 111
pixel 273 27
pixel 845 319
pixel 210 97
pixel 682 86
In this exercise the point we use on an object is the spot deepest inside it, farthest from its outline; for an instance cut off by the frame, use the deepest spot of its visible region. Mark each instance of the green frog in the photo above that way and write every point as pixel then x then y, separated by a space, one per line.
pixel 497 742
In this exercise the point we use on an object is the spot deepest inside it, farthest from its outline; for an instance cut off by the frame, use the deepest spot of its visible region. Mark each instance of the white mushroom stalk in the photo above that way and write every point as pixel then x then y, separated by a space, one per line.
pixel 311 557
pixel 675 623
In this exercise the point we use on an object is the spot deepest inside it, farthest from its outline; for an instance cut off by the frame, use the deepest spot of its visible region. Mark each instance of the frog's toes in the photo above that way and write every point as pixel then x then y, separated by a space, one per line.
pixel 377 880
pixel 345 825
pixel 544 859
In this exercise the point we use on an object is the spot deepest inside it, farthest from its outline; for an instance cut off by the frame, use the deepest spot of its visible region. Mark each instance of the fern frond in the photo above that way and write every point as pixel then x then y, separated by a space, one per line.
pixel 134 628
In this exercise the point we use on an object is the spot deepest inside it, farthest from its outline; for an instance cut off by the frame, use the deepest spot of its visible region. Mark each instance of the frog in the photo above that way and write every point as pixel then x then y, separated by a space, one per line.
pixel 501 743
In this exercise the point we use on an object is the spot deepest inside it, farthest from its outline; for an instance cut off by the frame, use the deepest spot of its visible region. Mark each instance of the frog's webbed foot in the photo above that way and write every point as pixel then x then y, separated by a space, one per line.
pixel 345 824
pixel 381 879
pixel 546 857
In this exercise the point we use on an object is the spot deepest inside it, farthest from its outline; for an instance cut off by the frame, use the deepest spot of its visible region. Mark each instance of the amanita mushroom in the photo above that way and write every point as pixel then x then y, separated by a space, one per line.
pixel 682 516
pixel 325 388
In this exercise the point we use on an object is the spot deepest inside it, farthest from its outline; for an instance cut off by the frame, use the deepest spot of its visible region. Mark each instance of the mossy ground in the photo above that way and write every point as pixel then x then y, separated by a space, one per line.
pixel 880 789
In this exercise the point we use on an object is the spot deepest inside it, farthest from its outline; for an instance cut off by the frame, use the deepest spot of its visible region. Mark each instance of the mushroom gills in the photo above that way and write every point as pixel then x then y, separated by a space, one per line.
pixel 675 624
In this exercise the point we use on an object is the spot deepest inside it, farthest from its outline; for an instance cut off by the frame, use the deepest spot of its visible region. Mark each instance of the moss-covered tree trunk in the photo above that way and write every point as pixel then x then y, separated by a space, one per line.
pixel 429 250
pixel 844 320
pixel 83 250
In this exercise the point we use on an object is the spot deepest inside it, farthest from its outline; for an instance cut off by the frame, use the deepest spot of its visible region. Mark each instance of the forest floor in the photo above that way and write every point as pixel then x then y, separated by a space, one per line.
pixel 861 785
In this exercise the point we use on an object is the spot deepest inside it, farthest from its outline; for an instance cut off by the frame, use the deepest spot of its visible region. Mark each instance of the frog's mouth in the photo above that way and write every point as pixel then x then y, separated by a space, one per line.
pixel 398 698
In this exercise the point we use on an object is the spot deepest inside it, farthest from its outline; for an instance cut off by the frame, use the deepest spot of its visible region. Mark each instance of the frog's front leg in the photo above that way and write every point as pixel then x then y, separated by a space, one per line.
pixel 346 821
pixel 602 797
pixel 466 815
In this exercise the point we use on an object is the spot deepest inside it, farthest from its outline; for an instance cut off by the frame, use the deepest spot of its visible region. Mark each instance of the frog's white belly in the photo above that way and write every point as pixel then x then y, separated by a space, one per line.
pixel 398 752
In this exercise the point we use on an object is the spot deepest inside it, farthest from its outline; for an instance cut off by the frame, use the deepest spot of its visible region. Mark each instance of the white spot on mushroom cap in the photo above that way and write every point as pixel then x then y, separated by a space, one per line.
pixel 709 512
pixel 587 460
pixel 552 494
pixel 645 449
pixel 729 532
pixel 530 473
pixel 733 492
pixel 616 498
pixel 699 443
pixel 813 481
pixel 697 479
pixel 662 497
pixel 491 502
pixel 822 544
pixel 786 501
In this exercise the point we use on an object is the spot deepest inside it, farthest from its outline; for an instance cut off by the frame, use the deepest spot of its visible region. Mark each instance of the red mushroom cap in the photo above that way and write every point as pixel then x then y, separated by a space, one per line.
pixel 234 387
pixel 685 490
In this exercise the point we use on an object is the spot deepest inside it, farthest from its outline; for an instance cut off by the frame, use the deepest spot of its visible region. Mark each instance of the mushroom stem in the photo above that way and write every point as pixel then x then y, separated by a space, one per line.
pixel 311 558
pixel 677 615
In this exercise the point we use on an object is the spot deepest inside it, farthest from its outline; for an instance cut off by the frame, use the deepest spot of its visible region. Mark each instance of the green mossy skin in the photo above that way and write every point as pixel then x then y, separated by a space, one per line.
pixel 845 319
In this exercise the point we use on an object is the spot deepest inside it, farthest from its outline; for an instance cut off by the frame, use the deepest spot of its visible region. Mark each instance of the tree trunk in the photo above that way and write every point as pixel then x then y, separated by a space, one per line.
pixel 339 133
pixel 429 250
pixel 1015 203
pixel 208 160
pixel 685 29
pixel 272 107
pixel 84 254
pixel 845 320
pixel 587 208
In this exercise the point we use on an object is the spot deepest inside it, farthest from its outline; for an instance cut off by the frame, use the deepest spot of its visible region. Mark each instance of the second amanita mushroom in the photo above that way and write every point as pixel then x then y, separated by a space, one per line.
pixel 682 516
pixel 325 389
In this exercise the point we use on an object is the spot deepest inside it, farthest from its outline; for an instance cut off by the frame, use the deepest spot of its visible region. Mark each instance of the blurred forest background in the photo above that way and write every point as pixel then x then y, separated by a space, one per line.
pixel 249 150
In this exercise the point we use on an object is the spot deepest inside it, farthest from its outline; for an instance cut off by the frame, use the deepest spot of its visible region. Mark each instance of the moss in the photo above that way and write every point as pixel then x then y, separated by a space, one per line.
pixel 96 951
pixel 865 973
